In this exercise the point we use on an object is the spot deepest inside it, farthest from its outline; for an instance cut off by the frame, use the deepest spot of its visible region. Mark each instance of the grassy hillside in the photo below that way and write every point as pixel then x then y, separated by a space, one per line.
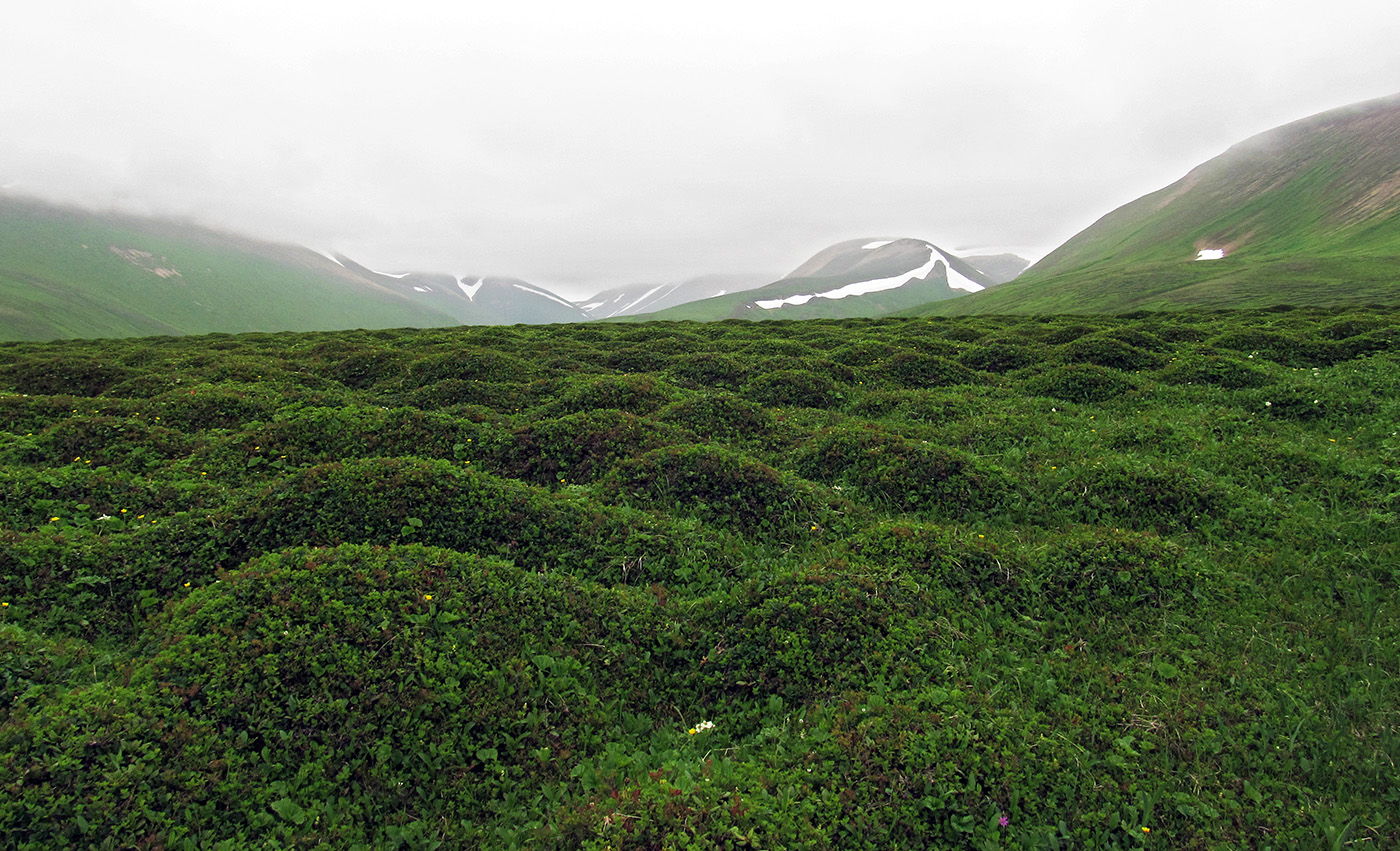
pixel 993 583
pixel 1308 213
pixel 68 273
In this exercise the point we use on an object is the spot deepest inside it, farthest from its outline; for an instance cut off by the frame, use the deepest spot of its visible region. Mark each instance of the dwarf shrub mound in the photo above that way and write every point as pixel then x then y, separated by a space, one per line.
pixel 1109 352
pixel 719 485
pixel 1111 569
pixel 963 562
pixel 1279 347
pixel 124 442
pixel 210 406
pixel 1001 356
pixel 1218 370
pixel 392 500
pixel 795 388
pixel 863 352
pixel 906 475
pixel 917 370
pixel 718 414
pixel 1083 383
pixel 369 367
pixel 1146 497
pixel 1066 333
pixel 635 394
pixel 581 447
pixel 66 374
pixel 313 435
pixel 422 686
pixel 470 364
pixel 709 369
pixel 813 634
pixel 1138 337
pixel 456 392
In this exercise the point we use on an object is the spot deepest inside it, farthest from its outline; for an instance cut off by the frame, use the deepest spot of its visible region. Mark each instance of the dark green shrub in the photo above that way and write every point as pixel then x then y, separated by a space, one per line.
pixel 1083 383
pixel 1228 372
pixel 635 394
pixel 580 447
pixel 1109 352
pixel 1067 333
pixel 1000 356
pixel 1285 349
pixel 812 634
pixel 206 406
pixel 792 388
pixel 636 359
pixel 718 485
pixel 128 442
pixel 1111 569
pixel 863 352
pixel 909 369
pixel 349 696
pixel 73 375
pixel 1139 495
pixel 455 392
pixel 365 368
pixel 470 364
pixel 906 475
pixel 710 369
pixel 718 414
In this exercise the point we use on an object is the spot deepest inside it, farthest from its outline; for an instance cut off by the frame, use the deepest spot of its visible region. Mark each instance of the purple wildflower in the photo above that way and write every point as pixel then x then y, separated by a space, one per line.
pixel 1004 820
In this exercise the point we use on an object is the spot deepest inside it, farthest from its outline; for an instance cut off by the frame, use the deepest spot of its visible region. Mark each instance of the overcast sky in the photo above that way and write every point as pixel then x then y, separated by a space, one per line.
pixel 586 144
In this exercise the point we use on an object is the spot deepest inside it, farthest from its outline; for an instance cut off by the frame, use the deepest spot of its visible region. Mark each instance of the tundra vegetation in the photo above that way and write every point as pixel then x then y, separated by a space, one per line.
pixel 992 583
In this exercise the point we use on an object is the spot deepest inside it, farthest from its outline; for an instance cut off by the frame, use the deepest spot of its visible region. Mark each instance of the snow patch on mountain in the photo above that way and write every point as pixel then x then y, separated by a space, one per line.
pixel 546 293
pixel 876 244
pixel 1210 254
pixel 470 289
pixel 648 294
pixel 955 279
pixel 391 275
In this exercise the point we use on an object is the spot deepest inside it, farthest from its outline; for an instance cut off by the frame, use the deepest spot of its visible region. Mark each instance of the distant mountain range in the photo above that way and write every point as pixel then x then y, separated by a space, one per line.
pixel 858 277
pixel 1306 213
pixel 67 272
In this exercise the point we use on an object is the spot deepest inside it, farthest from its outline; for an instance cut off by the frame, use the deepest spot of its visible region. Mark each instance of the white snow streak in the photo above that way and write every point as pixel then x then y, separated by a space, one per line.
pixel 876 244
pixel 1210 254
pixel 959 281
pixel 471 289
pixel 956 280
pixel 421 289
pixel 550 296
pixel 646 295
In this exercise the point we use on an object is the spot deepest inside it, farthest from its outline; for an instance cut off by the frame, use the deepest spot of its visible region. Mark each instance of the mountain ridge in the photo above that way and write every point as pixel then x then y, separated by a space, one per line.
pixel 1307 213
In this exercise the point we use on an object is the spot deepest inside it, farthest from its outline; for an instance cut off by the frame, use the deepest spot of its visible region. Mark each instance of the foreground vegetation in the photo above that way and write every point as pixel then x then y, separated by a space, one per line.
pixel 996 582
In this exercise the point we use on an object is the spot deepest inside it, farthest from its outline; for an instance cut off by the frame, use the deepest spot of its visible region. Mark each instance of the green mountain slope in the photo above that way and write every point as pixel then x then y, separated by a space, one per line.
pixel 1307 213
pixel 68 273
